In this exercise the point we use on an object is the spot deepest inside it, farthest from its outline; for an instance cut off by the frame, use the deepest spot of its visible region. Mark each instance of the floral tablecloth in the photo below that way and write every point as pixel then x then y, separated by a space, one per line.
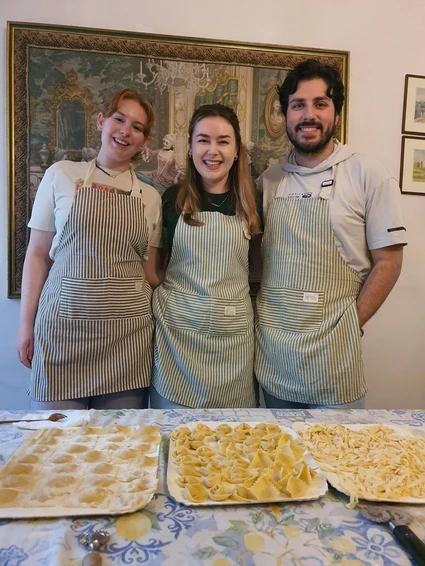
pixel 312 533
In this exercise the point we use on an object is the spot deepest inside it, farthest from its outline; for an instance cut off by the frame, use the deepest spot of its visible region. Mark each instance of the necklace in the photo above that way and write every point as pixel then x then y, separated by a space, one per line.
pixel 113 175
pixel 222 202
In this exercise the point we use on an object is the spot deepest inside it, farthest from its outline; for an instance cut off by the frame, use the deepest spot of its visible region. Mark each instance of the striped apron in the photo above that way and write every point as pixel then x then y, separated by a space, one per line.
pixel 307 331
pixel 204 333
pixel 93 330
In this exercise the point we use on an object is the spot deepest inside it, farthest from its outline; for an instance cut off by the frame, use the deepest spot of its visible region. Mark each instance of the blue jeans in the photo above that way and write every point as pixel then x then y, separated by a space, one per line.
pixel 275 403
pixel 133 399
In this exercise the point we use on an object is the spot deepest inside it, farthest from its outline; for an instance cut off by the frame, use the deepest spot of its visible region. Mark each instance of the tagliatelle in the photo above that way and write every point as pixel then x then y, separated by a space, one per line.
pixel 241 463
pixel 375 462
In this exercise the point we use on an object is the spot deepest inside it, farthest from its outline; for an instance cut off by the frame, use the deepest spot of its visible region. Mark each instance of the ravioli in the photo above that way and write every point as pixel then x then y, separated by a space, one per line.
pixel 70 470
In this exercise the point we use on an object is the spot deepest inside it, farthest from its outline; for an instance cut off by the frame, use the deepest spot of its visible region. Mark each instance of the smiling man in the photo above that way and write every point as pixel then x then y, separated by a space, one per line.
pixel 332 251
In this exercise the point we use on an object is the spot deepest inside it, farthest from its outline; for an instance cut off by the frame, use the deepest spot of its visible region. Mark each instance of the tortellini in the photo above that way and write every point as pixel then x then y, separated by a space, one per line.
pixel 239 463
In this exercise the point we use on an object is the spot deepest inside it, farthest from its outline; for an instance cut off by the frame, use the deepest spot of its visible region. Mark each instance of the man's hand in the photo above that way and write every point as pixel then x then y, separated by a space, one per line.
pixel 383 276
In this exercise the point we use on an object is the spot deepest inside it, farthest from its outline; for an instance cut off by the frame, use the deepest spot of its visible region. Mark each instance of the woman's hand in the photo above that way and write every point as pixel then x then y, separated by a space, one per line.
pixel 154 267
pixel 25 344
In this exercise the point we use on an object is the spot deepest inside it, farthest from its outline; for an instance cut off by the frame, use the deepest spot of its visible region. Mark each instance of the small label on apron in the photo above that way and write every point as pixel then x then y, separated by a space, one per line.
pixel 229 311
pixel 311 297
pixel 138 286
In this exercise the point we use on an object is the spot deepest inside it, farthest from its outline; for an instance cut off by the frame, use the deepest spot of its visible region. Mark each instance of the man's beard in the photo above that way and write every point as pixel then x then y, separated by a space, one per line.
pixel 308 148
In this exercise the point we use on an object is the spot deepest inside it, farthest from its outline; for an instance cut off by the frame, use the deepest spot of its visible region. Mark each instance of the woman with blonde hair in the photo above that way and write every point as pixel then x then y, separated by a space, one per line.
pixel 86 321
pixel 204 334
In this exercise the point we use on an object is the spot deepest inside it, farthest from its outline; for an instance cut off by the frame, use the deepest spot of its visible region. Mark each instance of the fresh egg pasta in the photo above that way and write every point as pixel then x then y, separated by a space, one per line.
pixel 242 463
pixel 370 462
pixel 59 472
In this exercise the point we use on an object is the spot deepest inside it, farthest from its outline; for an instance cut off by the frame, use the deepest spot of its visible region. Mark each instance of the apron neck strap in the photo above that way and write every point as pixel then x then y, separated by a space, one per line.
pixel 327 185
pixel 89 174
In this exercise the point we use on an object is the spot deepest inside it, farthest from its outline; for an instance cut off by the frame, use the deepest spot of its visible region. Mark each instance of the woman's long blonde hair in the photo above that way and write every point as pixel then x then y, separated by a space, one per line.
pixel 240 185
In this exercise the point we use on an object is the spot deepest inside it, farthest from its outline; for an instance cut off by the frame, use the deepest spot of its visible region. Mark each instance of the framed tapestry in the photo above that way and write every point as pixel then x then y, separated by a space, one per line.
pixel 58 78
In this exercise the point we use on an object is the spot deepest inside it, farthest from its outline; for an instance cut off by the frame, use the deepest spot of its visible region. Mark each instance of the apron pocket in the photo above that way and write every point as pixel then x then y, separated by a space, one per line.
pixel 352 312
pixel 292 310
pixel 185 312
pixel 104 299
pixel 205 315
pixel 228 317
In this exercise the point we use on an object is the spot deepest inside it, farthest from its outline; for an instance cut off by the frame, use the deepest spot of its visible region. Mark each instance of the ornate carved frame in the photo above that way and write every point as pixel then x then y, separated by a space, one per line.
pixel 271 97
pixel 22 36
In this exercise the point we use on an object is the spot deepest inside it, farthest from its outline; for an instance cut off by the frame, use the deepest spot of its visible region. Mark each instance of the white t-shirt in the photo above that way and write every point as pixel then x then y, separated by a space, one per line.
pixel 59 185
pixel 364 206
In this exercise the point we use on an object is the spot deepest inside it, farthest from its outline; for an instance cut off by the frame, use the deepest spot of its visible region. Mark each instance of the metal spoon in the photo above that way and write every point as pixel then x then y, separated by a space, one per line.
pixel 53 417
pixel 93 542
pixel 397 521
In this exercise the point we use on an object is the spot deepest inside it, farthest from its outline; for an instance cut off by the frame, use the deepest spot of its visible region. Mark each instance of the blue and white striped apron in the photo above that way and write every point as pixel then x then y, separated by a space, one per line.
pixel 307 331
pixel 204 333
pixel 93 331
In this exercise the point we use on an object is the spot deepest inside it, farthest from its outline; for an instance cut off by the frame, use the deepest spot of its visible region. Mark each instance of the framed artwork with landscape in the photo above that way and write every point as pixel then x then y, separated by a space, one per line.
pixel 414 105
pixel 412 167
pixel 59 77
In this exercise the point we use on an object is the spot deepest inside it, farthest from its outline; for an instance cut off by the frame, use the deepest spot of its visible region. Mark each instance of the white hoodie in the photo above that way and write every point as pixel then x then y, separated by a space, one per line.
pixel 365 200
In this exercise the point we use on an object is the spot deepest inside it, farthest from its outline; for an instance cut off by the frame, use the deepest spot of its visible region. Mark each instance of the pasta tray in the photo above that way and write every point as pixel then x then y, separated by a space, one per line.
pixel 81 471
pixel 227 463
pixel 375 462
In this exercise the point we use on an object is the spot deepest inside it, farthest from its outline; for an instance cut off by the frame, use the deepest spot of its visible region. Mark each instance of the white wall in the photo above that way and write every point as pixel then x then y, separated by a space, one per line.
pixel 386 40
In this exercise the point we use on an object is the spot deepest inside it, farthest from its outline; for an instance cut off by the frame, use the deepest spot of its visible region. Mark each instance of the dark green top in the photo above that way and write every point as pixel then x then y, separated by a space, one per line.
pixel 221 203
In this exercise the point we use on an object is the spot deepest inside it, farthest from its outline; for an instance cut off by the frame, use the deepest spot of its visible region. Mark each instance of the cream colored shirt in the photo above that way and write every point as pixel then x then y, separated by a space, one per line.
pixel 58 188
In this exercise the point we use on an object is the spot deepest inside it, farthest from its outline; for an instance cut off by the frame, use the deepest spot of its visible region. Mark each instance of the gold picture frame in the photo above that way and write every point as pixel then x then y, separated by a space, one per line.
pixel 59 76
pixel 274 119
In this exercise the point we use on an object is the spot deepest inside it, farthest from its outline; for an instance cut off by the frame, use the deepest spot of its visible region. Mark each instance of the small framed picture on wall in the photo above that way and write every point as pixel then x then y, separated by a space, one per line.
pixel 412 166
pixel 414 105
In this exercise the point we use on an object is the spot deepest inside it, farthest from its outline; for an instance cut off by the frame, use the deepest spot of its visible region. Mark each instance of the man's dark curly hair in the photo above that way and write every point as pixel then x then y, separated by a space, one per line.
pixel 312 69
